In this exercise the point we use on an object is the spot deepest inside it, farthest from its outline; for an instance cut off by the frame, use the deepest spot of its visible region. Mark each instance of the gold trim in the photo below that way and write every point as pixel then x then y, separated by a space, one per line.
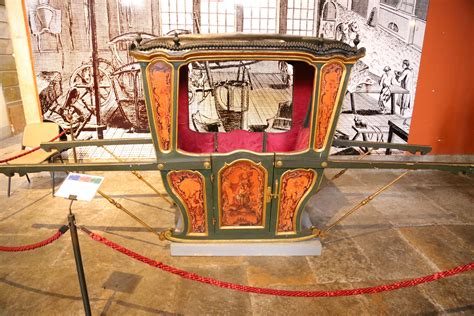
pixel 336 102
pixel 219 195
pixel 140 57
pixel 150 95
pixel 188 232
pixel 224 57
pixel 168 236
pixel 299 203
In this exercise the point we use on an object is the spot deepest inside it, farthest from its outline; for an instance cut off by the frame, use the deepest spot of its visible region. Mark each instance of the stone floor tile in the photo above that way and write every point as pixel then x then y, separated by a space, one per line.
pixel 193 298
pixel 341 261
pixel 406 301
pixel 439 178
pixel 329 201
pixel 453 295
pixel 464 232
pixel 274 271
pixel 278 305
pixel 406 206
pixel 462 206
pixel 391 256
pixel 437 244
pixel 154 293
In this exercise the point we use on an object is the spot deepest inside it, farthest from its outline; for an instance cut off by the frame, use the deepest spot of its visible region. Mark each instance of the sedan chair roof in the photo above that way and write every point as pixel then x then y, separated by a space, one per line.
pixel 183 44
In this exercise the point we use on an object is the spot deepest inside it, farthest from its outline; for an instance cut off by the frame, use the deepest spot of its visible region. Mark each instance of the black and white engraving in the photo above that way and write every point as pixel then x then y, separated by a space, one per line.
pixel 378 105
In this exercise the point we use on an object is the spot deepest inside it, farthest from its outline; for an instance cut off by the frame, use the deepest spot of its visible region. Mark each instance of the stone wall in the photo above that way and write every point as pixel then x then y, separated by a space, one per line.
pixel 11 105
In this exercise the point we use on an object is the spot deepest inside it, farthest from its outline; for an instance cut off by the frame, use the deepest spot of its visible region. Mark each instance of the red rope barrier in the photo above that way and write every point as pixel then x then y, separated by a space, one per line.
pixel 258 290
pixel 30 151
pixel 43 243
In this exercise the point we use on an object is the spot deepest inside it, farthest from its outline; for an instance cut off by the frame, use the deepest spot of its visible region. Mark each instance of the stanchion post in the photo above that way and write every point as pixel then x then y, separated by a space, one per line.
pixel 77 256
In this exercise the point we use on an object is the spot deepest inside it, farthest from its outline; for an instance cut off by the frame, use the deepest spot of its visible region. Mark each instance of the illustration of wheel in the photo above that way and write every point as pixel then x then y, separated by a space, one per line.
pixel 82 80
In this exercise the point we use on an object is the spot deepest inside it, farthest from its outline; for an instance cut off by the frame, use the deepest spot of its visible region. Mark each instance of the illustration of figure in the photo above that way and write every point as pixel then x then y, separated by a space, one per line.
pixel 385 93
pixel 405 78
pixel 243 188
pixel 242 198
pixel 346 32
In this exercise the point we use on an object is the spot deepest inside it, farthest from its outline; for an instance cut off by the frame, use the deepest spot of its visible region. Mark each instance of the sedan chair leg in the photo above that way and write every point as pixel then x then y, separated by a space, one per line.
pixel 27 178
pixel 53 182
pixel 9 185
pixel 52 173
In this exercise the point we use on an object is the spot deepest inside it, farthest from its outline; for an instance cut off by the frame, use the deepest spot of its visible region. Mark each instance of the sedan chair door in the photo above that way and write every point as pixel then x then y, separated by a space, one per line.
pixel 242 185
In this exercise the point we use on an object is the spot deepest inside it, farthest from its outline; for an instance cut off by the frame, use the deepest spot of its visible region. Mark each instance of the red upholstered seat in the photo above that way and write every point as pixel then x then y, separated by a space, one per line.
pixel 296 139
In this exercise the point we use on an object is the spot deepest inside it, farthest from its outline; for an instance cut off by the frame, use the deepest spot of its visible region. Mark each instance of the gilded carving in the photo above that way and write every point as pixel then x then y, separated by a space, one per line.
pixel 161 94
pixel 331 76
pixel 189 186
pixel 242 194
pixel 294 186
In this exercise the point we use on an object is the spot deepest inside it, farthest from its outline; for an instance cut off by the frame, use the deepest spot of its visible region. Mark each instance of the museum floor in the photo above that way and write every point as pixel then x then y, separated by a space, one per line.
pixel 422 225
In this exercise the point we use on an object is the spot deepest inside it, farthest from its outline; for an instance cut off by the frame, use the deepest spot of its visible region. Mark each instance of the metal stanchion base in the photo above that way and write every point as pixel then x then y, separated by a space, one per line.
pixel 78 258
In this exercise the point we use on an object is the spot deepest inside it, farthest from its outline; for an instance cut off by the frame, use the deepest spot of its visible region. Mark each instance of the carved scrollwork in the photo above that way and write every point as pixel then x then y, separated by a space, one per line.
pixel 159 74
pixel 331 78
pixel 189 186
pixel 242 194
pixel 294 186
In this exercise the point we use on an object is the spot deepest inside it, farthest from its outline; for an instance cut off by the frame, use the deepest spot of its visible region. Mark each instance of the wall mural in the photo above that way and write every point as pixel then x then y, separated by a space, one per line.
pixel 230 100
pixel 64 33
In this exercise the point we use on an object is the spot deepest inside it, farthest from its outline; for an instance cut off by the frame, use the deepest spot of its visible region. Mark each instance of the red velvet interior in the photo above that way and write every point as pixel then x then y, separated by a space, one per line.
pixel 189 140
pixel 296 139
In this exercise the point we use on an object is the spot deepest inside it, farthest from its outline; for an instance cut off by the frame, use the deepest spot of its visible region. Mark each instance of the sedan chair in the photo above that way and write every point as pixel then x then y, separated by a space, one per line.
pixel 243 182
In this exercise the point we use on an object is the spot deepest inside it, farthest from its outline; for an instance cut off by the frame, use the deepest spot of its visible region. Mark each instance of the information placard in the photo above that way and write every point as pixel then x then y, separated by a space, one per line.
pixel 82 186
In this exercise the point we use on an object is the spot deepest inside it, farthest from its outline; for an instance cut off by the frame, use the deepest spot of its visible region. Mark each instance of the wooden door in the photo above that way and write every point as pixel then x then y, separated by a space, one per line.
pixel 242 184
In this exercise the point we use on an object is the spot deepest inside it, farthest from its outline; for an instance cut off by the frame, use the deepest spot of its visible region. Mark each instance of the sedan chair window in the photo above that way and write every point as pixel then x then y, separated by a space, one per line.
pixel 255 105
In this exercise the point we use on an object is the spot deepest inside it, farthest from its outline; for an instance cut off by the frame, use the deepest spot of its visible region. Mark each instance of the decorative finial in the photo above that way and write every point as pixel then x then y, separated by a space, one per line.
pixel 356 40
pixel 176 39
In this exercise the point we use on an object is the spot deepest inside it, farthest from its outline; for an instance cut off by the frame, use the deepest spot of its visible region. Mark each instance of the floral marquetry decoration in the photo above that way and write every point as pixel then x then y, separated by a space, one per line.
pixel 242 194
pixel 189 186
pixel 159 76
pixel 295 185
pixel 331 78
